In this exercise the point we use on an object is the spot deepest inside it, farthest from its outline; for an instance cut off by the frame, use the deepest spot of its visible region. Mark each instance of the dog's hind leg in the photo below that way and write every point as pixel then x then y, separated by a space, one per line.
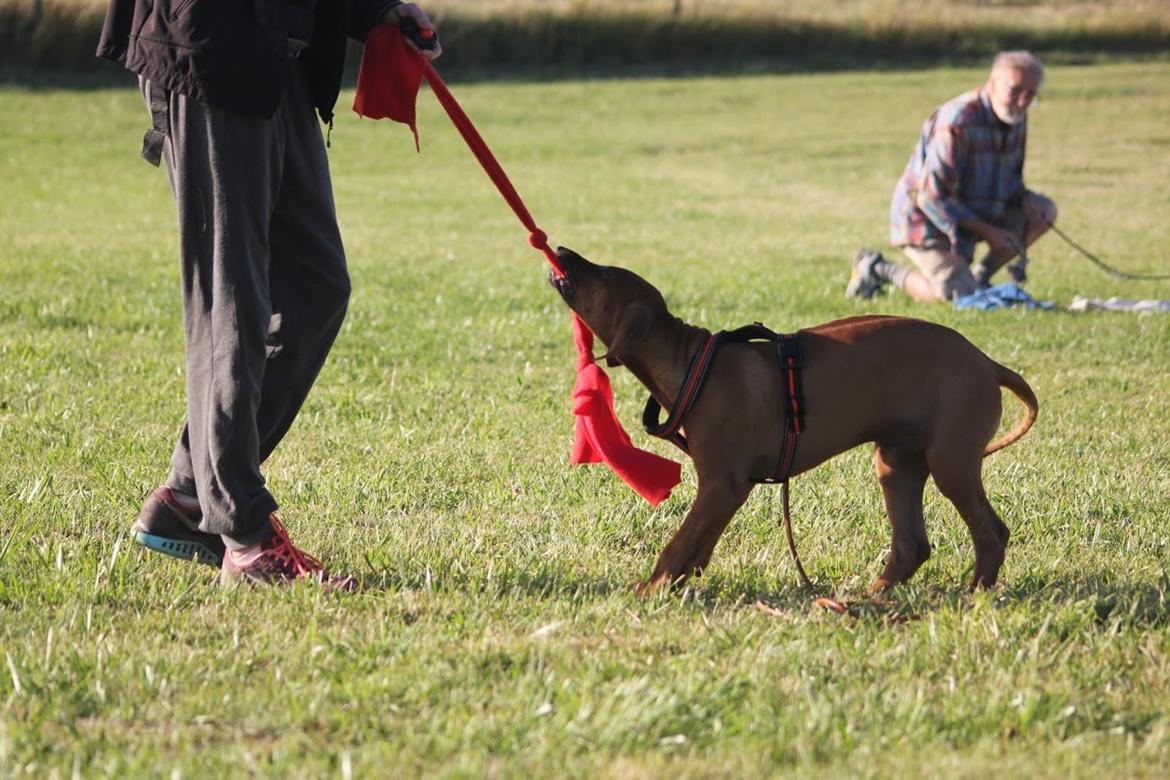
pixel 959 479
pixel 902 474
pixel 690 549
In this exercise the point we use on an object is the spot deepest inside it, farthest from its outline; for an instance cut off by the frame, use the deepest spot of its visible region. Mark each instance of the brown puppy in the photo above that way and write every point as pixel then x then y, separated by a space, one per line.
pixel 926 397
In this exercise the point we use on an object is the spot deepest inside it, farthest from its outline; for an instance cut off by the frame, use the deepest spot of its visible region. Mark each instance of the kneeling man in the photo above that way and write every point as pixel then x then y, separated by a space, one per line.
pixel 964 184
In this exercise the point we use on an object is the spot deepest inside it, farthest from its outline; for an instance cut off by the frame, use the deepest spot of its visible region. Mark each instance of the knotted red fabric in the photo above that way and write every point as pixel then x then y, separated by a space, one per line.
pixel 388 83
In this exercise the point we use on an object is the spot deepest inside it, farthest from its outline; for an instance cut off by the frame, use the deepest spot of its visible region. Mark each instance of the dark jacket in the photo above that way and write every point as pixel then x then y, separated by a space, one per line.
pixel 234 53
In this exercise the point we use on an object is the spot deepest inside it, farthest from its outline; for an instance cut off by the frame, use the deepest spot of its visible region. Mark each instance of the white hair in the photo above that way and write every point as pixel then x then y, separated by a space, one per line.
pixel 1020 60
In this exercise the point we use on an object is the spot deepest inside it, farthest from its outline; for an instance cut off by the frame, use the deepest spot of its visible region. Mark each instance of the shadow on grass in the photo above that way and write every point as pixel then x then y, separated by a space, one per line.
pixel 1137 604
pixel 1095 595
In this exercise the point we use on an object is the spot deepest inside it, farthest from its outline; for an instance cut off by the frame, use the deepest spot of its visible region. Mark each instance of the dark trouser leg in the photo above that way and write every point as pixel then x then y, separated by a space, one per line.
pixel 309 282
pixel 257 227
pixel 224 170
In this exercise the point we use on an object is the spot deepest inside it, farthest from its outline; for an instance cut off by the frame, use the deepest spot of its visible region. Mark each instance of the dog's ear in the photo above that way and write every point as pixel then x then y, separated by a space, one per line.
pixel 632 330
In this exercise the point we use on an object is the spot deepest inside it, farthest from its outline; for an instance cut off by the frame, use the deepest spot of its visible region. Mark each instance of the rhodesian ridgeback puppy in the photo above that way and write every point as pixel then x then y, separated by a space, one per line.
pixel 924 395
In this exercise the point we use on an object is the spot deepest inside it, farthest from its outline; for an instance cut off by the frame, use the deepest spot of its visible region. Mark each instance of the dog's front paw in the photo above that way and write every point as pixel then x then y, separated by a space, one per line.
pixel 656 583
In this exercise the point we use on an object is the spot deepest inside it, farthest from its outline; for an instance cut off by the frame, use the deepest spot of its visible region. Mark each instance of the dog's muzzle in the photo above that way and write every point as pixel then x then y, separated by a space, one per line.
pixel 563 285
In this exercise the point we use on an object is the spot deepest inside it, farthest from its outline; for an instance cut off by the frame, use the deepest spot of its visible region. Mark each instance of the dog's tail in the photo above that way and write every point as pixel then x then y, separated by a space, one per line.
pixel 1014 382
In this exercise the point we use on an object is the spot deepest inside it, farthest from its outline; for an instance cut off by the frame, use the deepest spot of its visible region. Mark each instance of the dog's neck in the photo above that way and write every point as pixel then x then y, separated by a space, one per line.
pixel 662 365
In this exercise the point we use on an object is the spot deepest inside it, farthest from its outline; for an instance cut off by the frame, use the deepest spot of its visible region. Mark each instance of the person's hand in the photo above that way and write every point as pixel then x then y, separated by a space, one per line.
pixel 1002 240
pixel 411 11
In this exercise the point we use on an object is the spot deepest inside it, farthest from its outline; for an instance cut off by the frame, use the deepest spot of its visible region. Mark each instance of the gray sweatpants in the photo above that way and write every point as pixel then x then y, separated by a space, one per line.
pixel 265 289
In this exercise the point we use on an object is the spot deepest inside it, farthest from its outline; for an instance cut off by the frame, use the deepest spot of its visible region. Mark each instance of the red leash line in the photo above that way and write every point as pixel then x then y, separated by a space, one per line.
pixel 536 237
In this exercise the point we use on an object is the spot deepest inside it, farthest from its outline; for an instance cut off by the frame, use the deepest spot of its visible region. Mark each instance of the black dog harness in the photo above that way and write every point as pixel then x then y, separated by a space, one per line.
pixel 788 356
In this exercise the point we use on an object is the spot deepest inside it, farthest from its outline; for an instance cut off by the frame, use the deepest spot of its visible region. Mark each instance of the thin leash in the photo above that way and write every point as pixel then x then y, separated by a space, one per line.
pixel 1116 273
pixel 792 544
pixel 825 602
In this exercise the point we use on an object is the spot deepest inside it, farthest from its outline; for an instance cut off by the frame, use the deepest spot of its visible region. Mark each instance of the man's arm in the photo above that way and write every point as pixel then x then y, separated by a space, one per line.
pixel 946 158
pixel 996 237
pixel 938 196
pixel 364 15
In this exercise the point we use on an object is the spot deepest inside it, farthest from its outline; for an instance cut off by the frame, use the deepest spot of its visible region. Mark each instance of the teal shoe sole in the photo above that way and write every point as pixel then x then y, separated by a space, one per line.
pixel 179 548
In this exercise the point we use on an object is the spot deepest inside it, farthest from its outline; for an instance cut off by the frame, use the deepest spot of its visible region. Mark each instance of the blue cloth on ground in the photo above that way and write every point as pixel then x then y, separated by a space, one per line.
pixel 1001 296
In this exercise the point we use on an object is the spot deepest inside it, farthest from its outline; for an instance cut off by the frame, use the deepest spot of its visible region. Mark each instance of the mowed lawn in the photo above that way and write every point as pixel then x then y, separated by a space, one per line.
pixel 499 634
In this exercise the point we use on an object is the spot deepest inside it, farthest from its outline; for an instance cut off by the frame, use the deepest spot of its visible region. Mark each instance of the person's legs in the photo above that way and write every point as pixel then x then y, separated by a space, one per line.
pixel 265 283
pixel 225 172
pixel 309 283
pixel 307 280
pixel 942 274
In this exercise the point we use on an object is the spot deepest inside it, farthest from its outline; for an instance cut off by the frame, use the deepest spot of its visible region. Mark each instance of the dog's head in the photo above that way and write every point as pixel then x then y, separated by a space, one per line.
pixel 620 307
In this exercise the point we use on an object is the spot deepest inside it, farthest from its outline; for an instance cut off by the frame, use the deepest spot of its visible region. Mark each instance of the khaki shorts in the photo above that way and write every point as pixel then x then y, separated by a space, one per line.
pixel 949 269
pixel 948 273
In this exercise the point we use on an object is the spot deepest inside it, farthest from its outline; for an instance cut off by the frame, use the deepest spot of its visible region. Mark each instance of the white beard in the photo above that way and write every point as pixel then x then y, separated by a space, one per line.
pixel 1006 115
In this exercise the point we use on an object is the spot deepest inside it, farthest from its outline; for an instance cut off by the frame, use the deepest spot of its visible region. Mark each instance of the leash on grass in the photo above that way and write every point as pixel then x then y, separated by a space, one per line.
pixel 825 602
pixel 1019 269
pixel 791 543
pixel 1116 273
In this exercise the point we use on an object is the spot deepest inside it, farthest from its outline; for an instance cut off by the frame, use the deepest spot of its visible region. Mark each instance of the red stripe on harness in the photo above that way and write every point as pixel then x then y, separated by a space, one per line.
pixel 691 388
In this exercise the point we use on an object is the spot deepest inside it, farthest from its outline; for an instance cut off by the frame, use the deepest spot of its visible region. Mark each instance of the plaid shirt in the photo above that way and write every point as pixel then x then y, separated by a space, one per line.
pixel 967 164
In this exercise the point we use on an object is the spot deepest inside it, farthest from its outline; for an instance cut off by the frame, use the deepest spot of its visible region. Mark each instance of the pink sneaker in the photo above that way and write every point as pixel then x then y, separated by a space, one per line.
pixel 275 560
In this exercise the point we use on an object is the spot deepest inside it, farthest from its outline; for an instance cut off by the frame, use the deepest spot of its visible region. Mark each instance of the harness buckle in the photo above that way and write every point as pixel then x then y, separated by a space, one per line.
pixel 788 350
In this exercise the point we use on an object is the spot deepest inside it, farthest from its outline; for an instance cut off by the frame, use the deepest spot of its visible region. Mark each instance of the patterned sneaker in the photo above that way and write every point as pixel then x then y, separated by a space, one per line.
pixel 166 526
pixel 275 560
pixel 864 283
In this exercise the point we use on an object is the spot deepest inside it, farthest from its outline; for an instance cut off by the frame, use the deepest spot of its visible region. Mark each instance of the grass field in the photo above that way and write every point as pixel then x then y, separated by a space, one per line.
pixel 500 635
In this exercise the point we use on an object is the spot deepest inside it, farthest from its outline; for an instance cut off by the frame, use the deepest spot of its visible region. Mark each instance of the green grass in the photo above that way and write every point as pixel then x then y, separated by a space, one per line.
pixel 501 636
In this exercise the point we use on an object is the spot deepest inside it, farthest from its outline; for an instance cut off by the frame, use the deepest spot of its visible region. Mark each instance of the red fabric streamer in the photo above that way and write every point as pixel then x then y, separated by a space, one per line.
pixel 388 79
pixel 388 83
pixel 600 438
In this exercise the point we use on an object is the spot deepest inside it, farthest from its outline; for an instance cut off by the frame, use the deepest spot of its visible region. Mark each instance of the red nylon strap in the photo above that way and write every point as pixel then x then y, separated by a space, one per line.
pixel 788 449
pixel 536 237
pixel 599 436
pixel 687 395
pixel 793 396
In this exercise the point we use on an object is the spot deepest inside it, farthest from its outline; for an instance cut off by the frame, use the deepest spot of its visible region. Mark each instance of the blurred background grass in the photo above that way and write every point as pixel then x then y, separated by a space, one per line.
pixel 42 39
